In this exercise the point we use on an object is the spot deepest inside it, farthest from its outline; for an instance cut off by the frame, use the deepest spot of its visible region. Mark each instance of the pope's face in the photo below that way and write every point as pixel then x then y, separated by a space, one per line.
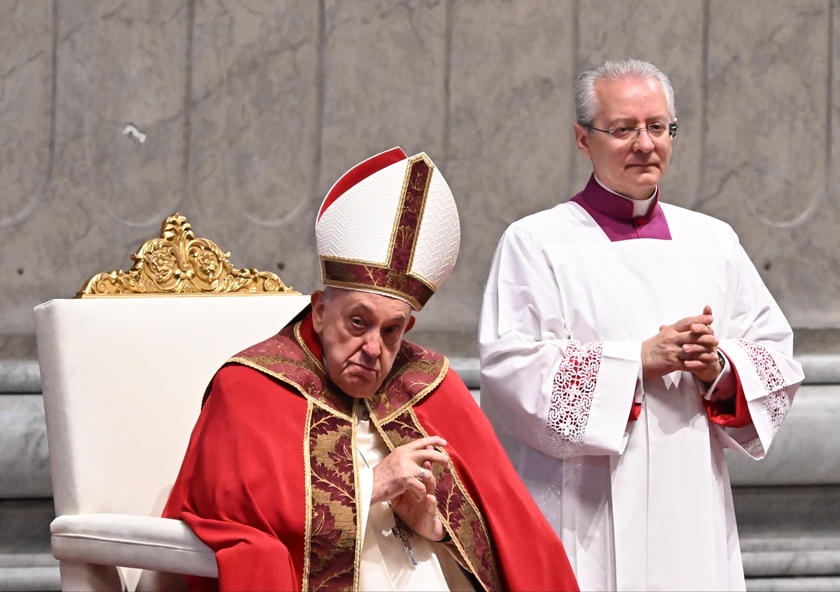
pixel 361 334
pixel 630 167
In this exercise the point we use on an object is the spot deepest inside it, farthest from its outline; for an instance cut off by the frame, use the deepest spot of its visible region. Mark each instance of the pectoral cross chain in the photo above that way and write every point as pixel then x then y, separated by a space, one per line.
pixel 401 529
pixel 403 532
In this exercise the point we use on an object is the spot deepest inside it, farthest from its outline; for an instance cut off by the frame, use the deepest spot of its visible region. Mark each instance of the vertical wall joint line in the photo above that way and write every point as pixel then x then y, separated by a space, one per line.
pixel 188 83
pixel 447 78
pixel 320 58
pixel 829 102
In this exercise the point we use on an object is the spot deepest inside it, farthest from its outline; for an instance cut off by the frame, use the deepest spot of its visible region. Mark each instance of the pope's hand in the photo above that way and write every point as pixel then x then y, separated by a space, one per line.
pixel 405 478
pixel 689 344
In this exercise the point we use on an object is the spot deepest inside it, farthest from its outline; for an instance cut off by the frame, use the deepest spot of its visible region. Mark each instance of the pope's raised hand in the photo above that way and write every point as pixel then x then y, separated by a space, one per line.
pixel 405 478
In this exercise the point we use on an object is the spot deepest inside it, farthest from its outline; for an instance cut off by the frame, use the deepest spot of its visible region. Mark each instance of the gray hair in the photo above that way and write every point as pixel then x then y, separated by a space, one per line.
pixel 586 103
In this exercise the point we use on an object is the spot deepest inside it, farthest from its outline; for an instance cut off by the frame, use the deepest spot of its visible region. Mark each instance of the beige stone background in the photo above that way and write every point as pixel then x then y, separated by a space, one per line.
pixel 252 108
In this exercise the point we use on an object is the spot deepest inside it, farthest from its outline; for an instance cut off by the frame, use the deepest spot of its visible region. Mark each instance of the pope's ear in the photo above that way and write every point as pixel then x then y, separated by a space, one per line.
pixel 410 324
pixel 317 302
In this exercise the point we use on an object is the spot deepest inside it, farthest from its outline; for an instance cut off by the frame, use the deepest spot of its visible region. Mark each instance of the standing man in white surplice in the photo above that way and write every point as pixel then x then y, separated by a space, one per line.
pixel 624 344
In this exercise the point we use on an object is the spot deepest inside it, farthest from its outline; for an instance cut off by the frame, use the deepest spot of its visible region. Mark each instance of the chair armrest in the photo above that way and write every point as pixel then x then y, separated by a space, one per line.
pixel 144 542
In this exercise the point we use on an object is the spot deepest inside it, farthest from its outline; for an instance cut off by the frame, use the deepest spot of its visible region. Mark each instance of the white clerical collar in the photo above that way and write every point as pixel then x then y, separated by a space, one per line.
pixel 640 206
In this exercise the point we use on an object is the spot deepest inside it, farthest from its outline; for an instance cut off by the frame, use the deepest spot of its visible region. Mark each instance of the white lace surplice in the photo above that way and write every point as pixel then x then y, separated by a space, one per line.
pixel 644 504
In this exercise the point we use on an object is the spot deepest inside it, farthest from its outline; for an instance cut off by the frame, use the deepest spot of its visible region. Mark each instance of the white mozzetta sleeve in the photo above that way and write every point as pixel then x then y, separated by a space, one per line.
pixel 561 396
pixel 759 345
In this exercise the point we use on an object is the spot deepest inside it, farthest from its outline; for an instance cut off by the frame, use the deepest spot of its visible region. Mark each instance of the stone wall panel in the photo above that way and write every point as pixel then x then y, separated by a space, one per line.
pixel 249 110
pixel 26 153
pixel 133 55
pixel 508 136
pixel 26 66
pixel 384 72
pixel 767 147
pixel 254 133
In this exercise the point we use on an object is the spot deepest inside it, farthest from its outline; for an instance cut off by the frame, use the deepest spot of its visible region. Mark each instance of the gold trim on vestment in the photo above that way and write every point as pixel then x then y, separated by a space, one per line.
pixel 422 280
pixel 456 540
pixel 318 363
pixel 422 211
pixel 416 398
pixel 416 304
pixel 307 535
pixel 286 380
pixel 393 441
pixel 412 274
pixel 408 170
pixel 360 528
pixel 372 286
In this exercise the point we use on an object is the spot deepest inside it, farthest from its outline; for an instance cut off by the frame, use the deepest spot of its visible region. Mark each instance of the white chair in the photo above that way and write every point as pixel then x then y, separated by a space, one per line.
pixel 123 379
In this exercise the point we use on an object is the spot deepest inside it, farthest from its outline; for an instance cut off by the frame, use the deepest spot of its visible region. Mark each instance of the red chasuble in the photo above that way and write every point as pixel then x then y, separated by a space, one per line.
pixel 269 481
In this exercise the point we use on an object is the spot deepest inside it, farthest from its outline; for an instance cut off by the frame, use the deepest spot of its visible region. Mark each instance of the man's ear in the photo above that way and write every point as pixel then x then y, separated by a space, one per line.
pixel 411 319
pixel 582 140
pixel 317 302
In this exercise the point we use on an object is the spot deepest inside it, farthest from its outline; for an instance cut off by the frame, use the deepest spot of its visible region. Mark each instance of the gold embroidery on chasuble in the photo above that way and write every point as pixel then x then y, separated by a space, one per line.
pixel 331 549
pixel 417 372
pixel 332 529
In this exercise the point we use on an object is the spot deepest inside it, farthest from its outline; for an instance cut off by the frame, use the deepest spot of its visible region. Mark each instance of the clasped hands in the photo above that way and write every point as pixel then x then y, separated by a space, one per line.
pixel 405 479
pixel 689 344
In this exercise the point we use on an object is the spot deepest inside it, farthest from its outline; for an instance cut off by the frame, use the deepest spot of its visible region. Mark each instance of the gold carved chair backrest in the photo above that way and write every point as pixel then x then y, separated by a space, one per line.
pixel 179 263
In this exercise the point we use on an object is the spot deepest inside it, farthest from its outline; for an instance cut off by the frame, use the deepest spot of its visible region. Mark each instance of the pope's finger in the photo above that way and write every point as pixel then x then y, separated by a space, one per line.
pixel 430 455
pixel 416 489
pixel 430 483
pixel 422 443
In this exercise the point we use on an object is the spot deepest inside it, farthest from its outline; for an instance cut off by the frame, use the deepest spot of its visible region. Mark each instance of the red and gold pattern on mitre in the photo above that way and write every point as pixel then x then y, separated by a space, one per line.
pixel 389 226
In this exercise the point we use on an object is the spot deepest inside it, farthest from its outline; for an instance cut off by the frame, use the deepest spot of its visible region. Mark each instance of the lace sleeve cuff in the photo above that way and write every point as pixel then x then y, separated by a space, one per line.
pixel 592 392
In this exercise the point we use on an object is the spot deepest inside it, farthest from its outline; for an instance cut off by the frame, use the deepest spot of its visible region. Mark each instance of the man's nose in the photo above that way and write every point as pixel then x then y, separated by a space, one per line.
pixel 643 140
pixel 372 346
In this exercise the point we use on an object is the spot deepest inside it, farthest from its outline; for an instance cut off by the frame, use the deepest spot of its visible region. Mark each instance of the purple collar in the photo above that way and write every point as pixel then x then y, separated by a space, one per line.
pixel 615 215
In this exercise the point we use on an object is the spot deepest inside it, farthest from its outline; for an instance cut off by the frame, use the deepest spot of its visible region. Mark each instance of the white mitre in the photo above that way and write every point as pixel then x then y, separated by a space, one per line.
pixel 389 226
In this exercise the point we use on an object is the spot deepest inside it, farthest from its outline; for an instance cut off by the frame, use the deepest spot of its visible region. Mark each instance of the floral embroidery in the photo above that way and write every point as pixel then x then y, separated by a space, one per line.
pixel 332 560
pixel 333 523
pixel 455 505
pixel 777 402
pixel 571 395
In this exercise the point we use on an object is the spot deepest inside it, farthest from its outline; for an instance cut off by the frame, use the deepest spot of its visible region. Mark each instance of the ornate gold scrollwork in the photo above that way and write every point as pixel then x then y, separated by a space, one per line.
pixel 180 263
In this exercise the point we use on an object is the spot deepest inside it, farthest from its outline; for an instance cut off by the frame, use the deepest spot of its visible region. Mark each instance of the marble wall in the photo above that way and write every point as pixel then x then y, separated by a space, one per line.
pixel 250 109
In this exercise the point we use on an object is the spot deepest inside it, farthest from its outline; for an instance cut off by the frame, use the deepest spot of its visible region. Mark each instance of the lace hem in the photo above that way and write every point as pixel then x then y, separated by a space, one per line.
pixel 571 395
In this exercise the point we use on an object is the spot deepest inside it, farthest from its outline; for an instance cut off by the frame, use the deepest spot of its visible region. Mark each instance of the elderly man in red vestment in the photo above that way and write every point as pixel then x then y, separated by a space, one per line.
pixel 338 456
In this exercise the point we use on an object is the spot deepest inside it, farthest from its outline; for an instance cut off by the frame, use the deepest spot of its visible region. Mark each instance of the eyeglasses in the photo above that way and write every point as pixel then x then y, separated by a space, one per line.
pixel 626 132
